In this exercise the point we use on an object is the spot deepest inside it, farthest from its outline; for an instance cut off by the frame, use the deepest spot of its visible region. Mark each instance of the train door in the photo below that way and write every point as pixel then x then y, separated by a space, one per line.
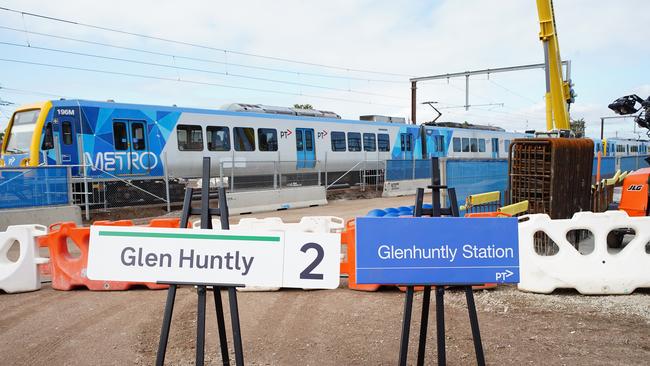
pixel 495 148
pixel 67 142
pixel 305 148
pixel 406 143
pixel 131 148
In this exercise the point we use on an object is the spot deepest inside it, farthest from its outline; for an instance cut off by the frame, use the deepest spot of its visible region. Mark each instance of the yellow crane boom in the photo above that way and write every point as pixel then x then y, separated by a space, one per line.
pixel 557 89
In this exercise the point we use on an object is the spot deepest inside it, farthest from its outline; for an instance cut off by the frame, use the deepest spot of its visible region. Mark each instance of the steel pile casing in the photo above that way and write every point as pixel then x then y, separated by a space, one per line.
pixel 553 174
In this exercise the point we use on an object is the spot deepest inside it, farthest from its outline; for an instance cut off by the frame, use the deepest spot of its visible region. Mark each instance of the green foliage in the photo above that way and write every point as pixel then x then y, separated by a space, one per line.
pixel 578 127
pixel 303 106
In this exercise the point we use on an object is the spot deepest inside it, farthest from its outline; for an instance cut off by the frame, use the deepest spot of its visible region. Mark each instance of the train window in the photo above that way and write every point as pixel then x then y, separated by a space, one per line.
pixel 137 136
pixel 465 144
pixel 309 140
pixel 506 145
pixel 634 149
pixel 66 129
pixel 481 145
pixel 338 141
pixel 383 142
pixel 473 145
pixel 354 141
pixel 244 138
pixel 190 138
pixel 369 142
pixel 267 139
pixel 218 138
pixel 299 143
pixel 440 143
pixel 120 136
pixel 48 139
pixel 457 144
pixel 495 145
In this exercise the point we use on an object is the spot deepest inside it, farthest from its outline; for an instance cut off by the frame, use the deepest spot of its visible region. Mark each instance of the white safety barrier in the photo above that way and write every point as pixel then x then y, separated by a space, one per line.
pixel 602 271
pixel 21 275
pixel 309 224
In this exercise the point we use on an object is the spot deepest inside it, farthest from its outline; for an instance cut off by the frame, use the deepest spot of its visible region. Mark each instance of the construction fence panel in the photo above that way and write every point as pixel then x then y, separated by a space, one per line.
pixel 34 186
pixel 629 163
pixel 607 167
pixel 472 176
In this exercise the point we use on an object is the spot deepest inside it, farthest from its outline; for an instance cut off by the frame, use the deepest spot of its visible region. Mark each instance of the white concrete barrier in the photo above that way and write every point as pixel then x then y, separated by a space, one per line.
pixel 21 275
pixel 602 270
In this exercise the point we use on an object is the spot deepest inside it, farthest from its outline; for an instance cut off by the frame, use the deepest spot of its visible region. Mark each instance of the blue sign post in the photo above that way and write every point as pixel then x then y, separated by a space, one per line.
pixel 436 251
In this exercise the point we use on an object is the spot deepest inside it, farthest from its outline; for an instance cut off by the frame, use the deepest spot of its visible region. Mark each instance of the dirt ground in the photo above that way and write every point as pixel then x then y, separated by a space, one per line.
pixel 328 327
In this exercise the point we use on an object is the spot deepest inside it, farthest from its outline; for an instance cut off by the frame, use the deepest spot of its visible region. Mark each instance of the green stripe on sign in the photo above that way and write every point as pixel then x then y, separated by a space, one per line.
pixel 188 236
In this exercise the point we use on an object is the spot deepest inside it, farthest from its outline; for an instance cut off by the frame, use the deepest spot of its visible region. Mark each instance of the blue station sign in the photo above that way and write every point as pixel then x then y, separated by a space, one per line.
pixel 436 251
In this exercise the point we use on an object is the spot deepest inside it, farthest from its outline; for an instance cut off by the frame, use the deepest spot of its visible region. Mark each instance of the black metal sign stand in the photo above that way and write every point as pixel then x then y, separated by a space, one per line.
pixel 436 211
pixel 206 214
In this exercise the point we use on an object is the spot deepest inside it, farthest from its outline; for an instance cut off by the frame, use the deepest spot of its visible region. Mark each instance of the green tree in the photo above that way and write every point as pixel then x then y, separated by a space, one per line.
pixel 303 106
pixel 578 127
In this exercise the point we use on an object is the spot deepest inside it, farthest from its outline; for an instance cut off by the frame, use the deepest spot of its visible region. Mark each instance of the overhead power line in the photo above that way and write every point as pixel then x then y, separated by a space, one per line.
pixel 157 38
pixel 198 70
pixel 196 82
pixel 182 57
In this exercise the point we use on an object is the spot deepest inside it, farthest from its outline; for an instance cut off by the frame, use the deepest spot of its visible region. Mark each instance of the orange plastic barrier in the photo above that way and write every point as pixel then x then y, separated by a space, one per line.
pixel 69 272
pixel 348 238
pixel 487 214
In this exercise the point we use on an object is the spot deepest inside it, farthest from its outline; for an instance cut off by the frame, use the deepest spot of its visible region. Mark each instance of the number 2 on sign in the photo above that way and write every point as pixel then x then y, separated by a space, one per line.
pixel 307 274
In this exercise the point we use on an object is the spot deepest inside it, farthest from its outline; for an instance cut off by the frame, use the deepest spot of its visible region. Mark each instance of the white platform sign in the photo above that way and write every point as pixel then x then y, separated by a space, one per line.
pixel 253 258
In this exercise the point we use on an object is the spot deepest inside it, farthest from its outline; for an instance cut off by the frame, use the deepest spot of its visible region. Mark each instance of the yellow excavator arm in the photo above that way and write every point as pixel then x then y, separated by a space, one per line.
pixel 558 91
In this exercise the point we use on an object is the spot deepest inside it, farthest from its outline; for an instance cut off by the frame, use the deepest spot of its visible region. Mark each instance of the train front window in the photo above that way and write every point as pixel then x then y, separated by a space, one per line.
pixel 26 117
pixel 19 139
pixel 48 139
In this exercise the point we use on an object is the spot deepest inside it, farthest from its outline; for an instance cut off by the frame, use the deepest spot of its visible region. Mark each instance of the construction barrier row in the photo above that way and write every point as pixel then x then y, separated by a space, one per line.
pixel 604 262
pixel 68 270
pixel 19 271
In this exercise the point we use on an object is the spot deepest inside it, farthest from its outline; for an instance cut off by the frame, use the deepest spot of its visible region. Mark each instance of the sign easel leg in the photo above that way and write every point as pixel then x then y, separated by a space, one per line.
pixel 406 326
pixel 167 319
pixel 473 320
pixel 440 324
pixel 221 325
pixel 424 323
pixel 236 331
pixel 200 325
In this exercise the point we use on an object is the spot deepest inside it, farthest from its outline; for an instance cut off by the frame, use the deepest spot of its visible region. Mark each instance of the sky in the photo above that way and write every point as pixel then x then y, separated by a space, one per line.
pixel 351 57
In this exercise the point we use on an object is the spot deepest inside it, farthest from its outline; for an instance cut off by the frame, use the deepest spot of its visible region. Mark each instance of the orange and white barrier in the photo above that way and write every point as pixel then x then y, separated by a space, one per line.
pixel 599 271
pixel 21 275
pixel 68 269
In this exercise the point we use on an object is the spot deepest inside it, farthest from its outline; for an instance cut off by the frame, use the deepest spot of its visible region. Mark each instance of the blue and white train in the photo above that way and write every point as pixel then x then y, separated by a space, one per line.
pixel 135 141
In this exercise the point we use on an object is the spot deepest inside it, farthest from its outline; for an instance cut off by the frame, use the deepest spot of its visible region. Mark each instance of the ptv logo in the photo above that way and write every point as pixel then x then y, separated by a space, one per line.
pixel 285 134
pixel 321 134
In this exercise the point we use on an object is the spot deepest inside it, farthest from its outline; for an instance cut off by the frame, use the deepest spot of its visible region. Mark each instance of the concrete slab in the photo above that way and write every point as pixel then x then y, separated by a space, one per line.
pixel 276 199
pixel 39 215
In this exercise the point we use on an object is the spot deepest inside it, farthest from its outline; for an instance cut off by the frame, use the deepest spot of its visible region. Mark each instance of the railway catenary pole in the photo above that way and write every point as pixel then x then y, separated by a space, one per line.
pixel 467 74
